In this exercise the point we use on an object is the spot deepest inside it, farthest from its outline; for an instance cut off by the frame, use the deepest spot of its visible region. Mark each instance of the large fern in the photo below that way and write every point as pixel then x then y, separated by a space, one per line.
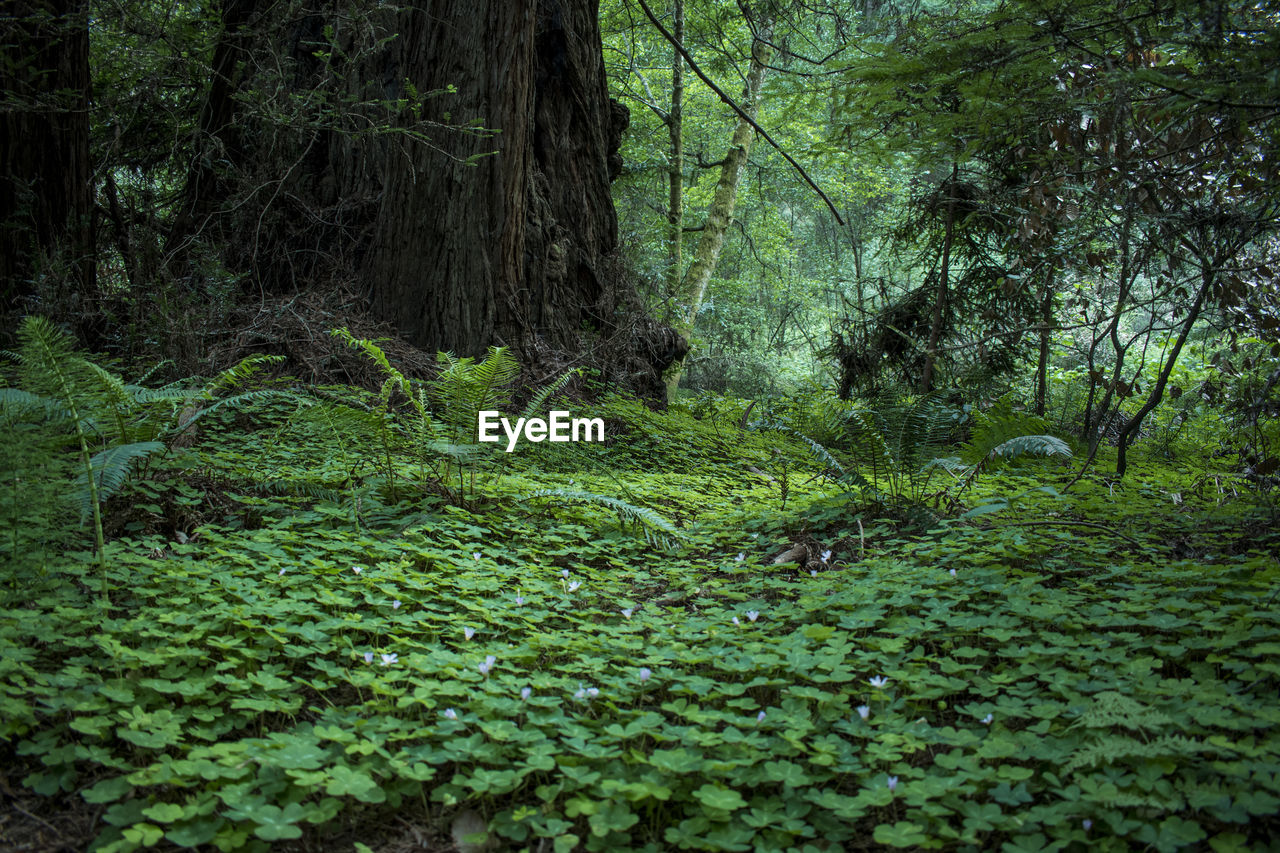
pixel 49 367
pixel 116 425
pixel 1006 435
pixel 999 435
pixel 892 443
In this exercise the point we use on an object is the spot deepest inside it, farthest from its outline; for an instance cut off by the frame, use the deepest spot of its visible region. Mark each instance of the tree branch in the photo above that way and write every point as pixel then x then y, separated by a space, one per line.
pixel 729 102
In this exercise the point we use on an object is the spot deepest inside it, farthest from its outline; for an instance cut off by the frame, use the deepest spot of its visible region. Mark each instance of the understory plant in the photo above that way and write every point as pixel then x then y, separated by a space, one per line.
pixel 114 427
pixel 436 421
pixel 897 448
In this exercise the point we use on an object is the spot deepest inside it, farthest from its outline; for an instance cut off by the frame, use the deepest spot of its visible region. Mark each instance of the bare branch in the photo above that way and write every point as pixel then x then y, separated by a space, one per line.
pixel 729 102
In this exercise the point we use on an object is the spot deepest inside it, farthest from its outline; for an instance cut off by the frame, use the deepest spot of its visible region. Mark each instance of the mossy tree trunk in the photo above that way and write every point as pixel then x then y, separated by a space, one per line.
pixel 706 255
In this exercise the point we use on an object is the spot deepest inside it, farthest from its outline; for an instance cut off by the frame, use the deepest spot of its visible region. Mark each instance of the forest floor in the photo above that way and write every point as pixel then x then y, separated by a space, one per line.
pixel 293 659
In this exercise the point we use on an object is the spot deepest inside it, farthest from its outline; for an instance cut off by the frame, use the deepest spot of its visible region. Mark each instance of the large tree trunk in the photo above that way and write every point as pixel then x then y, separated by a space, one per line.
pixel 460 237
pixel 509 247
pixel 46 190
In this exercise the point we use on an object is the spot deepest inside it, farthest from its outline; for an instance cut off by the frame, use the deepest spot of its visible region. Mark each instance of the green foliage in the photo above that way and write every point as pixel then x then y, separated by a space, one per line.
pixel 894 446
pixel 464 387
pixel 1001 435
pixel 657 530
pixel 440 421
pixel 252 687
pixel 64 393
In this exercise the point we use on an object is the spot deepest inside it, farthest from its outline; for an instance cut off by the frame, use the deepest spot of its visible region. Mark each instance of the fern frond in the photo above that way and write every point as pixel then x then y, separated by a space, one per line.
pixel 865 436
pixel 657 530
pixel 112 387
pixel 546 392
pixel 298 489
pixel 462 453
pixel 238 373
pixel 17 405
pixel 831 466
pixel 240 401
pixel 348 419
pixel 167 394
pixel 142 380
pixel 1001 435
pixel 111 467
pixel 424 429
pixel 917 430
pixel 1031 445
pixel 395 379
pixel 951 464
pixel 48 363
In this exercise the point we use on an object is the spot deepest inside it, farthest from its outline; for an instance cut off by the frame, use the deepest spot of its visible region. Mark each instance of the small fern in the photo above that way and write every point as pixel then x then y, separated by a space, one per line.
pixel 657 530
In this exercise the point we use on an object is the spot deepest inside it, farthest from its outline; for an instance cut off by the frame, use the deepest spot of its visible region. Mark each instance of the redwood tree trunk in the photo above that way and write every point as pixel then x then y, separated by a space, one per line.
pixel 46 191
pixel 507 248
pixel 460 239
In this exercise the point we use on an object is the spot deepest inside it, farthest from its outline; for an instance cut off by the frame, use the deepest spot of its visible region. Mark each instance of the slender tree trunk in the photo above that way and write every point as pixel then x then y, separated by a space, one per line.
pixel 1042 362
pixel 1207 276
pixel 711 240
pixel 675 169
pixel 940 300
pixel 1093 425
pixel 218 132
pixel 46 189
